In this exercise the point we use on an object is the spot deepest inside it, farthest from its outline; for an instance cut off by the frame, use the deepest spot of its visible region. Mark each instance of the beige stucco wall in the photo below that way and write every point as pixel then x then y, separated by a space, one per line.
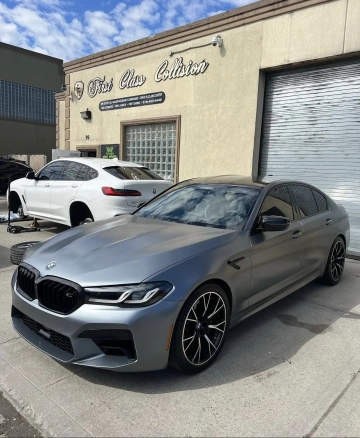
pixel 218 108
pixel 62 124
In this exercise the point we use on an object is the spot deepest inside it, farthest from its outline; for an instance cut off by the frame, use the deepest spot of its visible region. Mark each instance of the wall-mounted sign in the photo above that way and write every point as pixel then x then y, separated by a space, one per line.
pixel 98 85
pixel 110 151
pixel 179 69
pixel 130 80
pixel 79 89
pixel 133 101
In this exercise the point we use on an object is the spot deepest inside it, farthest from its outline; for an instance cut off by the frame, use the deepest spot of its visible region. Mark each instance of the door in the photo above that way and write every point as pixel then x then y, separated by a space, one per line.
pixel 64 189
pixel 311 132
pixel 37 192
pixel 317 226
pixel 276 255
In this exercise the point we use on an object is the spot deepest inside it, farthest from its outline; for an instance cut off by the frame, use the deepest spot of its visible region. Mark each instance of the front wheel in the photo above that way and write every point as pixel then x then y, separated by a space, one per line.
pixel 335 263
pixel 200 330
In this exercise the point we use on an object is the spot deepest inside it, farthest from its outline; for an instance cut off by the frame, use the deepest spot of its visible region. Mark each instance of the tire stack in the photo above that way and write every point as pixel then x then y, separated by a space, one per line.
pixel 18 251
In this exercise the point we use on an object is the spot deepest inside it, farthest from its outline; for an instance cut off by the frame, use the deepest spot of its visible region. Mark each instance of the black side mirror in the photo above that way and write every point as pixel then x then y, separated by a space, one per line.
pixel 274 223
pixel 30 175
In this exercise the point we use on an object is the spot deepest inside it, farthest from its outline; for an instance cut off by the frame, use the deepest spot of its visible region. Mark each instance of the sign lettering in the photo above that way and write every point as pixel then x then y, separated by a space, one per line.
pixel 98 86
pixel 129 80
pixel 133 101
pixel 179 69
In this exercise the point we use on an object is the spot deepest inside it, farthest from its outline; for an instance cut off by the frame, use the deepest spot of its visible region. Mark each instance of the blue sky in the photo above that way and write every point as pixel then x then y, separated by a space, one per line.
pixel 69 29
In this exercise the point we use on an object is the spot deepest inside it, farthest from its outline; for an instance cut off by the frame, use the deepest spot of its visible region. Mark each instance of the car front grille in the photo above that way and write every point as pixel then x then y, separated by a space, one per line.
pixel 26 281
pixel 59 295
pixel 54 338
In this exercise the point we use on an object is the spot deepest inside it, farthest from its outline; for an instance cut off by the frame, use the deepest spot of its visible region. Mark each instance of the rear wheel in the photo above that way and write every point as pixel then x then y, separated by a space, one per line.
pixel 335 263
pixel 80 214
pixel 200 330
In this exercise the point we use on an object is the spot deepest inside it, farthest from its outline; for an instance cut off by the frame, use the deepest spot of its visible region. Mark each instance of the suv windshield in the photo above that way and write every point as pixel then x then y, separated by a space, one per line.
pixel 207 205
pixel 132 172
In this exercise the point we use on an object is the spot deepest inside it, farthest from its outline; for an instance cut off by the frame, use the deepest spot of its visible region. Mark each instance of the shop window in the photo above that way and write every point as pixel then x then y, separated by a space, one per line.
pixel 152 145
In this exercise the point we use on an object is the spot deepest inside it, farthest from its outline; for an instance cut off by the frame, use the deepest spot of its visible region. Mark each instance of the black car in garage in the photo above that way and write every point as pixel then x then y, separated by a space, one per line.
pixel 15 168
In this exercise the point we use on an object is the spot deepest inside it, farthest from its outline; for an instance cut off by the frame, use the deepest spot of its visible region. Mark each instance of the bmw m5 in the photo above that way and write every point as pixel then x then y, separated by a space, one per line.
pixel 163 285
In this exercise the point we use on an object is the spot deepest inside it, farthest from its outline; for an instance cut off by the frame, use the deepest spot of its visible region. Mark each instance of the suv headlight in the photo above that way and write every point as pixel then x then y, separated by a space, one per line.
pixel 130 295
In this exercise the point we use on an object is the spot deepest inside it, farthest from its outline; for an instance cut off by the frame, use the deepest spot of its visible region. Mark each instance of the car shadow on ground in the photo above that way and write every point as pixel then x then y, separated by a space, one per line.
pixel 254 347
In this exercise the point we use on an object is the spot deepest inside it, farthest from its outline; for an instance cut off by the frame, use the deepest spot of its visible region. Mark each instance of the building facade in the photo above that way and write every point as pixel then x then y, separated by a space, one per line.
pixel 28 81
pixel 280 96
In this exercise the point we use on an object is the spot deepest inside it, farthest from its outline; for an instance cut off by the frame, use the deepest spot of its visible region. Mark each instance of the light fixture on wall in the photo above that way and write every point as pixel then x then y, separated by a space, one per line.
pixel 216 41
pixel 86 114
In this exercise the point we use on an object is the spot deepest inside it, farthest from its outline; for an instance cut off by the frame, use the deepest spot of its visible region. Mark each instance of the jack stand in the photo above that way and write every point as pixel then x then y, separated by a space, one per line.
pixel 34 224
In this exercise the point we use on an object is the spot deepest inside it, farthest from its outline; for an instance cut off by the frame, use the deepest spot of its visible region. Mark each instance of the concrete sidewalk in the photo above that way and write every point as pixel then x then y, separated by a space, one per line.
pixel 290 370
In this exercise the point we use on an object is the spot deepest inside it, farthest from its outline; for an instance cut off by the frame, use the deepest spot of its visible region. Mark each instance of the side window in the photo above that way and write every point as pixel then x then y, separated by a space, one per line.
pixel 305 200
pixel 51 171
pixel 92 173
pixel 70 171
pixel 278 203
pixel 320 200
pixel 82 175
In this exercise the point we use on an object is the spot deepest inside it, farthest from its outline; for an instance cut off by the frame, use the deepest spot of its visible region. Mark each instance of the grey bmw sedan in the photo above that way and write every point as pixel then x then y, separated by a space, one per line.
pixel 163 286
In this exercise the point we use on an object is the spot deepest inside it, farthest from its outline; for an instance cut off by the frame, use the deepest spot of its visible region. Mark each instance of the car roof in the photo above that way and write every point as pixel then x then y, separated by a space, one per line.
pixel 101 162
pixel 230 179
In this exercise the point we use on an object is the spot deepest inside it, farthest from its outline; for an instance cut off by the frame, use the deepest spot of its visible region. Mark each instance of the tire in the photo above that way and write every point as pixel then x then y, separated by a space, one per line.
pixel 195 344
pixel 335 263
pixel 80 215
pixel 18 251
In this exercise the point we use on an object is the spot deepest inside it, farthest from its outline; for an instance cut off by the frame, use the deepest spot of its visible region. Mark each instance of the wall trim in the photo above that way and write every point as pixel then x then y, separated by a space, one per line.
pixel 153 121
pixel 252 13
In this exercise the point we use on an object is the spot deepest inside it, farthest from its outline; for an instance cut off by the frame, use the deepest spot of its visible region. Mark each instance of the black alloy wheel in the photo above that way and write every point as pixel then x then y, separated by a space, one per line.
pixel 335 263
pixel 200 330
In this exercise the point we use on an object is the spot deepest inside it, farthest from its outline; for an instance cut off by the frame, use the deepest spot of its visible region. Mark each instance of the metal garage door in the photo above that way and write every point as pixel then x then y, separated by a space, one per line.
pixel 311 132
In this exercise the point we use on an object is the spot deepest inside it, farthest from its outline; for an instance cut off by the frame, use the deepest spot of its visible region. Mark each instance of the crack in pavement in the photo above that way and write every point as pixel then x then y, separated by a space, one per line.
pixel 333 405
pixel 12 339
pixel 64 378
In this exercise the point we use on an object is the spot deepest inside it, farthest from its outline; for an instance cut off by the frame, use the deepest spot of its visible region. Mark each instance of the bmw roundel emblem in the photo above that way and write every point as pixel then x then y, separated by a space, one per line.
pixel 154 191
pixel 51 265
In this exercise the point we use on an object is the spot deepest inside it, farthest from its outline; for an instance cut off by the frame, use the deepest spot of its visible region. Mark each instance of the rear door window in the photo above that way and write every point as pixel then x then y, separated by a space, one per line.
pixel 135 173
pixel 320 201
pixel 70 171
pixel 305 200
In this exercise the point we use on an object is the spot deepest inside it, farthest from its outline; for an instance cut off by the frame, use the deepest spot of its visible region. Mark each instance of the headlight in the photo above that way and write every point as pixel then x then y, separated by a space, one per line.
pixel 130 295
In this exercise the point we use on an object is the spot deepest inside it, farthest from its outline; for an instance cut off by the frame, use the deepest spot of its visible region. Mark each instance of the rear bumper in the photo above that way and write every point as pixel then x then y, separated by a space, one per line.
pixel 148 329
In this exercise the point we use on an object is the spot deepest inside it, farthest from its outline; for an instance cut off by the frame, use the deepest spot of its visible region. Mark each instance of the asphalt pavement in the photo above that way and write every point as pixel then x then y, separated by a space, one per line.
pixel 290 370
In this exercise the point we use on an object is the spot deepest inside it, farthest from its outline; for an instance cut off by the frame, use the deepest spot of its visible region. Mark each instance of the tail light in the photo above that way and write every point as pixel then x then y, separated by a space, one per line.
pixel 109 191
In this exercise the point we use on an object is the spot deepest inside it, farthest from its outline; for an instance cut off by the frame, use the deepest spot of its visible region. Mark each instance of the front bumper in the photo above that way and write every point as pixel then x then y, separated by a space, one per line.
pixel 150 328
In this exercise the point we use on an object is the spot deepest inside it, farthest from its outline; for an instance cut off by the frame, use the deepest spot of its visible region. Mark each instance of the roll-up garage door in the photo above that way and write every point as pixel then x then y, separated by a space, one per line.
pixel 311 132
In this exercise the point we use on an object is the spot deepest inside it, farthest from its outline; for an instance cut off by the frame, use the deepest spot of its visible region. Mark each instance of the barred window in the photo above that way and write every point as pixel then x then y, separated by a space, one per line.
pixel 153 146
pixel 23 102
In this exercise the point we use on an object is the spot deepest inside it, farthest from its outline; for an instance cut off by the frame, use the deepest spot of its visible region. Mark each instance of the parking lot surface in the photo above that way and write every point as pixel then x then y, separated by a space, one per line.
pixel 290 370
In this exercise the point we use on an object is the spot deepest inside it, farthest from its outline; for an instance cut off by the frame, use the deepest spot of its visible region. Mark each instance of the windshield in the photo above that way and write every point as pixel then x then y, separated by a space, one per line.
pixel 207 205
pixel 142 173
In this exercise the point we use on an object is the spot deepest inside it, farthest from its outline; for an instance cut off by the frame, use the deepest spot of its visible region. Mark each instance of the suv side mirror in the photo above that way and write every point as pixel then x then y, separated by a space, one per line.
pixel 274 223
pixel 30 175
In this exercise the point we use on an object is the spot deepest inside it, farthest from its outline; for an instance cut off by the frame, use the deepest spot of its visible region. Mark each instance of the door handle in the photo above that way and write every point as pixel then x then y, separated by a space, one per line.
pixel 74 185
pixel 47 185
pixel 296 234
pixel 328 221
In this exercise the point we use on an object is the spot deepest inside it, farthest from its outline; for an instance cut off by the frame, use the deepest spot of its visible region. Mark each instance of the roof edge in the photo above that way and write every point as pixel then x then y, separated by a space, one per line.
pixel 247 14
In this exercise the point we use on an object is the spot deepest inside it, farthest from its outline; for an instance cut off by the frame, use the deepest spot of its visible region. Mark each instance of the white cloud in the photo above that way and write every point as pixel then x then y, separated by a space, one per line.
pixel 57 28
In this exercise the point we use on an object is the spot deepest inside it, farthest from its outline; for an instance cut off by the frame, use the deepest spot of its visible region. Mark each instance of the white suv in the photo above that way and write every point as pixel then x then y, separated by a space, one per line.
pixel 73 190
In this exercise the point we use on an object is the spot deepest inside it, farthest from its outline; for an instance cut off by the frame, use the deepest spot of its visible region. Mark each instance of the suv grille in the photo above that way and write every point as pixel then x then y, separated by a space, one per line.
pixel 56 339
pixel 26 281
pixel 59 295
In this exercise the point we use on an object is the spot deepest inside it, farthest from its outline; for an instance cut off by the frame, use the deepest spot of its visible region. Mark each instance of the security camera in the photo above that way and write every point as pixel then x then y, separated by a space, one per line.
pixel 63 87
pixel 217 41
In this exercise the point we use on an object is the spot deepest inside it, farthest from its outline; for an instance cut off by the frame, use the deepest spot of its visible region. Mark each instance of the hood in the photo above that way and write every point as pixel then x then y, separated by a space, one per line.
pixel 124 250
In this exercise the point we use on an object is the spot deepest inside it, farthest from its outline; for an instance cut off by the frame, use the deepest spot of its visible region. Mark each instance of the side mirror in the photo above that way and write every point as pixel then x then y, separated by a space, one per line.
pixel 30 175
pixel 274 223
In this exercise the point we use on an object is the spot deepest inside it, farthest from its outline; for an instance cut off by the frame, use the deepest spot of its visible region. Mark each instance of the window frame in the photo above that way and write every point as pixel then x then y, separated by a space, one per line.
pixel 153 121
